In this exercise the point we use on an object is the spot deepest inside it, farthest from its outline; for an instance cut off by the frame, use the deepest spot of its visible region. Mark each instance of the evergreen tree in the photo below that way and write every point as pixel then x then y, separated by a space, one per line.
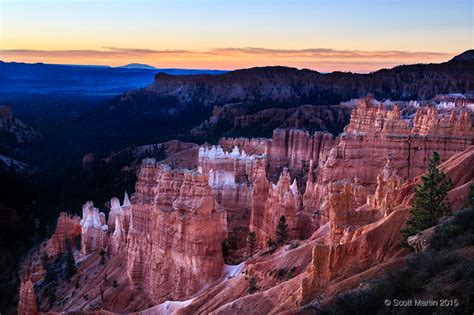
pixel 45 260
pixel 225 250
pixel 102 291
pixel 471 196
pixel 251 242
pixel 252 285
pixel 429 202
pixel 102 257
pixel 70 262
pixel 271 244
pixel 282 231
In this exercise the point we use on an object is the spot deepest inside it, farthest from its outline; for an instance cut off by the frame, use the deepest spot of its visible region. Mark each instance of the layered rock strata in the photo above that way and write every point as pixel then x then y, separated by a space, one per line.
pixel 236 162
pixel 260 193
pixel 27 301
pixel 127 211
pixel 176 233
pixel 94 231
pixel 115 211
pixel 376 134
pixel 377 241
pixel 68 229
pixel 283 200
pixel 251 146
pixel 294 149
pixel 230 174
pixel 236 199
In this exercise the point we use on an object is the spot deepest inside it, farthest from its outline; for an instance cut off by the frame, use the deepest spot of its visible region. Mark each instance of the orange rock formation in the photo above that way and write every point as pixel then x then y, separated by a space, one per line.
pixel 175 234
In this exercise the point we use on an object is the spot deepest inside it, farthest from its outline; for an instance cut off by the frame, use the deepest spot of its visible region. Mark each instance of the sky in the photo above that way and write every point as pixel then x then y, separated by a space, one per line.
pixel 324 35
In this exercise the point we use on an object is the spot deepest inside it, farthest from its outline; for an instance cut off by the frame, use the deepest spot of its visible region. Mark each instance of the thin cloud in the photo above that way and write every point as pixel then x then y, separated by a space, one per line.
pixel 324 59
pixel 331 53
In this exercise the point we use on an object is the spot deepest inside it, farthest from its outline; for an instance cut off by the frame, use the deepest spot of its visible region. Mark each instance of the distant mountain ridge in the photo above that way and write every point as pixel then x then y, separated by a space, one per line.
pixel 467 55
pixel 137 66
pixel 16 77
pixel 174 104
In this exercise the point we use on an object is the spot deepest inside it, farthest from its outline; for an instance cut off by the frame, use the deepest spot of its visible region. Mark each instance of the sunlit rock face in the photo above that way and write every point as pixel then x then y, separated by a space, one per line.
pixel 282 200
pixel 370 234
pixel 115 211
pixel 230 174
pixel 236 161
pixel 376 134
pixel 260 193
pixel 94 231
pixel 235 198
pixel 118 239
pixel 176 233
pixel 294 149
pixel 127 212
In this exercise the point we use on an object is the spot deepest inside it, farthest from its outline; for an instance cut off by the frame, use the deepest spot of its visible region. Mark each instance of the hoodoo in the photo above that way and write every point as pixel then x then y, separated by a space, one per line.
pixel 176 233
pixel 325 212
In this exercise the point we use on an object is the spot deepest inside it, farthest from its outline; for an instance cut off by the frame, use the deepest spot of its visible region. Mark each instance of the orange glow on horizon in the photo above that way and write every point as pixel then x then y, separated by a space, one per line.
pixel 320 59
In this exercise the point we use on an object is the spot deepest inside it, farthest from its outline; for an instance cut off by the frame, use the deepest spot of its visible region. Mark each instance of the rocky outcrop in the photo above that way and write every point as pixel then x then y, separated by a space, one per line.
pixel 358 190
pixel 230 175
pixel 68 229
pixel 115 212
pixel 378 242
pixel 283 200
pixel 260 193
pixel 237 162
pixel 118 238
pixel 250 146
pixel 127 211
pixel 376 134
pixel 294 149
pixel 235 198
pixel 27 299
pixel 388 182
pixel 344 197
pixel 94 231
pixel 427 122
pixel 421 241
pixel 176 233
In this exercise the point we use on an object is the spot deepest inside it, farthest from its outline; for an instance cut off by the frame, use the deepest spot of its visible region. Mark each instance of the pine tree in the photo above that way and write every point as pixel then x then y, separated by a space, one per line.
pixel 429 202
pixel 282 231
pixel 251 242
pixel 225 250
pixel 102 257
pixel 70 262
pixel 252 285
pixel 45 260
pixel 470 197
pixel 271 244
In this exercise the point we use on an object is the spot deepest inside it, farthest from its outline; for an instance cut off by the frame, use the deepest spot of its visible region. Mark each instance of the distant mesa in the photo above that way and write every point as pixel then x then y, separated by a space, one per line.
pixel 137 66
pixel 468 55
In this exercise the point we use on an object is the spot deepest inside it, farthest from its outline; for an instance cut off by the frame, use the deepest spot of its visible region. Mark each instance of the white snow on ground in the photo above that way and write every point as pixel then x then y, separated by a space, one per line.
pixel 168 307
pixel 233 270
pixel 172 307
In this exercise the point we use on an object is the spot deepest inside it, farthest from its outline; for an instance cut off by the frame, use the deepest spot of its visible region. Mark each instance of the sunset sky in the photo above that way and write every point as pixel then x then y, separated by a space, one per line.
pixel 324 35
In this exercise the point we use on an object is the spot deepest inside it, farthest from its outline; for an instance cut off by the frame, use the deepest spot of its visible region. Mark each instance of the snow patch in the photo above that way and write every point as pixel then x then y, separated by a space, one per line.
pixel 233 270
pixel 167 307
